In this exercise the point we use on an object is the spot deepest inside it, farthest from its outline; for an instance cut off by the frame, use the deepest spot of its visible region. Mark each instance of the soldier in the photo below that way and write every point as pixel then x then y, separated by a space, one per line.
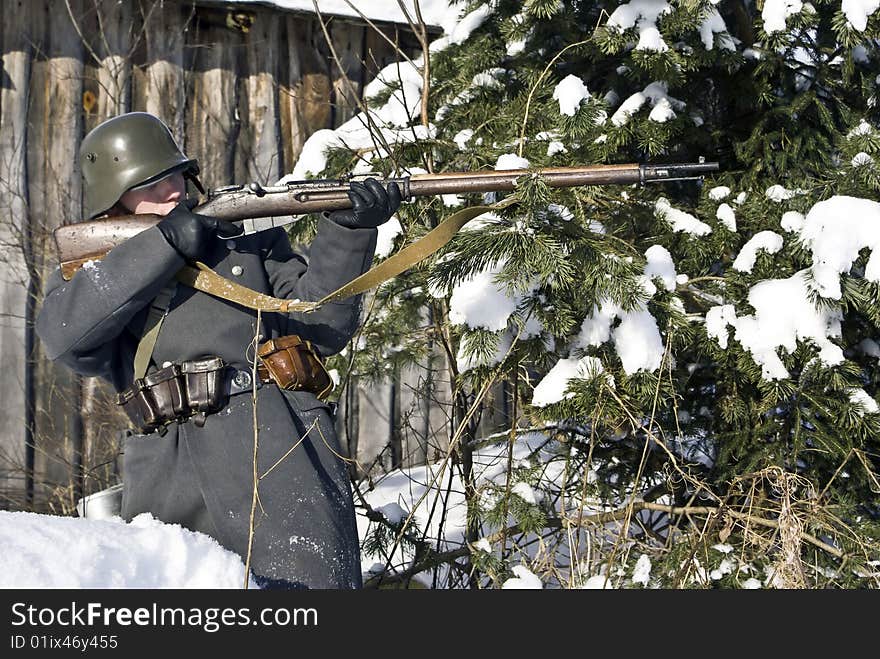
pixel 190 459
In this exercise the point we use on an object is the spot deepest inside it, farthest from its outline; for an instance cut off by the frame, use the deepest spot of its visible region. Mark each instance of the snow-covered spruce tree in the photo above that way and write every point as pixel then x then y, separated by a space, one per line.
pixel 693 366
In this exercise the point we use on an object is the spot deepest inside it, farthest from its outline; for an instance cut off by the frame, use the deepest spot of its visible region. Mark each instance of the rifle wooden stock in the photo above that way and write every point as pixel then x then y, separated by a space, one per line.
pixel 86 241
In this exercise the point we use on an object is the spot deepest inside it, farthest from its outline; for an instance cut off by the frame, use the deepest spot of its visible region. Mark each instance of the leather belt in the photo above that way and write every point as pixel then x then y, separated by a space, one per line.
pixel 197 388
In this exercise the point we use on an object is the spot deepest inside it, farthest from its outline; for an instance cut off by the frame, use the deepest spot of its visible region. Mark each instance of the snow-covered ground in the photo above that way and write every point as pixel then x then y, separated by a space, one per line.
pixel 48 551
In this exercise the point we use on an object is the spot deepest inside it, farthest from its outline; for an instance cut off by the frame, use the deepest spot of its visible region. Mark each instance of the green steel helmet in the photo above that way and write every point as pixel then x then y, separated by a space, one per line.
pixel 125 152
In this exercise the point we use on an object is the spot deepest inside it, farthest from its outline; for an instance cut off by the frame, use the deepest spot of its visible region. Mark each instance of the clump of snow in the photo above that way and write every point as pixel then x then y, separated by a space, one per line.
pixel 642 571
pixel 462 138
pixel 858 11
pixel 869 347
pixel 863 402
pixel 46 551
pixel 726 216
pixel 680 220
pixel 717 320
pixel 637 339
pixel 393 512
pixel 483 545
pixel 836 230
pixel 551 388
pixel 562 211
pixel 719 192
pixel 643 15
pixel 525 492
pixel 570 92
pixel 714 24
pixel 470 22
pixel 778 193
pixel 511 161
pixel 479 301
pixel 783 315
pixel 662 111
pixel 597 582
pixel 775 13
pixel 861 159
pixel 354 135
pixel 523 579
pixel 724 568
pixel 555 147
pixel 769 241
pixel 864 128
pixel 661 102
pixel 659 264
pixel 792 221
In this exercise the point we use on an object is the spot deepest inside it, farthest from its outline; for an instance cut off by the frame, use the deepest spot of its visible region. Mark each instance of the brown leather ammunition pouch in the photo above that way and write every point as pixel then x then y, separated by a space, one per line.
pixel 293 363
pixel 203 381
pixel 175 393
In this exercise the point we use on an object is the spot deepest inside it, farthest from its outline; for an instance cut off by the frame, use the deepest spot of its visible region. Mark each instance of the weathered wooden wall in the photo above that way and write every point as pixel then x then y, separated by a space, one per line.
pixel 17 55
pixel 241 87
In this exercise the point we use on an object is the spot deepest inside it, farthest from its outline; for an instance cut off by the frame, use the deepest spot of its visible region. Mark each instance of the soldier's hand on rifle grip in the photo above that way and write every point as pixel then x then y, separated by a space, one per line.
pixel 372 205
pixel 190 234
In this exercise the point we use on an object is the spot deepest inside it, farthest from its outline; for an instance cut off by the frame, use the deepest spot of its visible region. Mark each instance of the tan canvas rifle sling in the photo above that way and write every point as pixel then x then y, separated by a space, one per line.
pixel 202 278
pixel 158 310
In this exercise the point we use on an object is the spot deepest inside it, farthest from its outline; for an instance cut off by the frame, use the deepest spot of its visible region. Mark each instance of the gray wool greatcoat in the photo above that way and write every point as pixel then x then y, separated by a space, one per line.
pixel 202 478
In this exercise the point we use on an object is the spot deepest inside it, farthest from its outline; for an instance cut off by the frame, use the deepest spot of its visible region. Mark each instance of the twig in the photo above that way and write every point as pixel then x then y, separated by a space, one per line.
pixel 256 478
pixel 522 134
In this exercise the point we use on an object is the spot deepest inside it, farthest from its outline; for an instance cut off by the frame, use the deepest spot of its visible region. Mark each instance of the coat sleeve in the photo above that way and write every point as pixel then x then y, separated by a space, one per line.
pixel 81 320
pixel 336 256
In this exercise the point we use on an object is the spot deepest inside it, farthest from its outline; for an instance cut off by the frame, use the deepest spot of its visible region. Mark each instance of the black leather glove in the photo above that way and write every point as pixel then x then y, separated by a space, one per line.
pixel 190 234
pixel 371 204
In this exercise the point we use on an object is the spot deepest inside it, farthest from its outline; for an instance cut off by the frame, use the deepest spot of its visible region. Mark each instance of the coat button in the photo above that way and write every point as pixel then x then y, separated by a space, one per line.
pixel 237 270
pixel 230 244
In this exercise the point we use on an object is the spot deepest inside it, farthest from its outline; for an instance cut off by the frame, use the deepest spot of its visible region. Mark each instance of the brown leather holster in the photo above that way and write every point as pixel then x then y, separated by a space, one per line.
pixel 293 363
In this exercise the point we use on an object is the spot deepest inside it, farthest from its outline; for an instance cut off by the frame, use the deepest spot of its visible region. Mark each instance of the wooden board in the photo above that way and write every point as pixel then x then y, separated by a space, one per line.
pixel 54 131
pixel 13 273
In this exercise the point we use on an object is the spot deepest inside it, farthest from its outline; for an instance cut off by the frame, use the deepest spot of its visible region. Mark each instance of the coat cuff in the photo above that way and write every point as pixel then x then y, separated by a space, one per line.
pixel 339 254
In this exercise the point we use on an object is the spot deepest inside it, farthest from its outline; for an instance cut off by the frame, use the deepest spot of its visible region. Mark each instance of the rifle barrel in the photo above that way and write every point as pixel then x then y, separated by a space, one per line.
pixel 304 197
pixel 81 242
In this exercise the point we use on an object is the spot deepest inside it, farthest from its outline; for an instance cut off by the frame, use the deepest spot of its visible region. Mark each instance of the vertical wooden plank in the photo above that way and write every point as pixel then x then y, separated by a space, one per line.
pixel 54 191
pixel 315 88
pixel 378 53
pixel 293 125
pixel 114 43
pixel 259 144
pixel 347 70
pixel 374 421
pixel 412 384
pixel 160 87
pixel 212 120
pixel 14 272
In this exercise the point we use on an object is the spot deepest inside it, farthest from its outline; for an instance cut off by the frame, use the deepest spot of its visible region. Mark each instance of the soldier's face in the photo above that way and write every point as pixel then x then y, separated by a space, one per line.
pixel 159 198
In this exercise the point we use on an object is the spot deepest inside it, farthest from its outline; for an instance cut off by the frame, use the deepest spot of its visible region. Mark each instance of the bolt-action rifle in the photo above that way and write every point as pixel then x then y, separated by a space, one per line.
pixel 86 241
